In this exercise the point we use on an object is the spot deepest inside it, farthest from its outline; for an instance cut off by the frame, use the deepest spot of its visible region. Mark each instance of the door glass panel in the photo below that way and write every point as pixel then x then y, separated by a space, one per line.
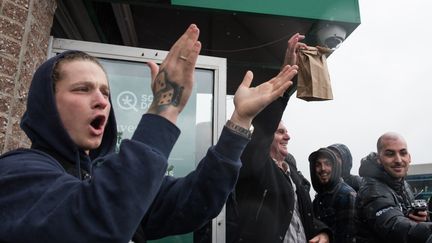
pixel 131 96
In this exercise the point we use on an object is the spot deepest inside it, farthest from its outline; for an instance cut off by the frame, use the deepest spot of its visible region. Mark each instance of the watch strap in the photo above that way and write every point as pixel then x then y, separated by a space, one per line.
pixel 238 129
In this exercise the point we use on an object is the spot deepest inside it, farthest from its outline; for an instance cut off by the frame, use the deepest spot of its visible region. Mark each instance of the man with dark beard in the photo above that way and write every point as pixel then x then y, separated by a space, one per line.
pixel 385 198
pixel 334 203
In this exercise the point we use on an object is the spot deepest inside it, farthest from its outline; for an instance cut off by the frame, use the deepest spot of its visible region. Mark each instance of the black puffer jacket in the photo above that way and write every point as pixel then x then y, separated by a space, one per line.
pixel 382 204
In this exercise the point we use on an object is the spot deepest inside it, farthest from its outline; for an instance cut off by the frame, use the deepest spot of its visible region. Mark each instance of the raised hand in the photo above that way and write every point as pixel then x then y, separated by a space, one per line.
pixel 294 45
pixel 249 101
pixel 172 82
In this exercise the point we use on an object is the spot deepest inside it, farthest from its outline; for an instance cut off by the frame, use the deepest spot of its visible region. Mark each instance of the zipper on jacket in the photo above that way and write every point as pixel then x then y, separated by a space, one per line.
pixel 261 205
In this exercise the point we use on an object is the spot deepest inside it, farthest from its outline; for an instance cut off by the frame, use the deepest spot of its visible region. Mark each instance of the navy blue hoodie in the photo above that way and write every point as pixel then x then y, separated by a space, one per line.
pixel 121 192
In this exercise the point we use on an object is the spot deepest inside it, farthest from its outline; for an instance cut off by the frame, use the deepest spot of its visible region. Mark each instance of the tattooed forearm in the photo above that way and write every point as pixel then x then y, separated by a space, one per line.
pixel 166 92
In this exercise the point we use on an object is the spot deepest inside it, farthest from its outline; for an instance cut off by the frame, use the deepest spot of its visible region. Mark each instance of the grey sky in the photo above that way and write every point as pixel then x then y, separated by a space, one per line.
pixel 381 82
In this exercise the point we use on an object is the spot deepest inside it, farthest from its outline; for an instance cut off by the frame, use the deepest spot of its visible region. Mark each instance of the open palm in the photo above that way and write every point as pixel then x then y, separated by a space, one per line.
pixel 249 101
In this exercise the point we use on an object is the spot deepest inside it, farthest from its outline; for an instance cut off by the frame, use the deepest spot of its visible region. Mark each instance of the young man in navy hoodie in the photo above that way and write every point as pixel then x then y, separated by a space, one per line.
pixel 71 186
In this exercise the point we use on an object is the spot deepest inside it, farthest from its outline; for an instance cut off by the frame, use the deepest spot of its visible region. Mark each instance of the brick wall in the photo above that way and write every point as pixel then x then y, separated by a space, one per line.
pixel 24 35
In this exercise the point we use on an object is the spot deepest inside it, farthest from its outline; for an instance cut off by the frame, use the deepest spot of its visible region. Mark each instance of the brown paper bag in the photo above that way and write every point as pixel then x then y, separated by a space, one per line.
pixel 313 81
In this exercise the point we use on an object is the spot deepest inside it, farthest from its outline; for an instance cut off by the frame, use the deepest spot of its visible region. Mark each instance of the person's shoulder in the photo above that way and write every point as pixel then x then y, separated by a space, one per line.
pixel 354 178
pixel 372 188
pixel 26 158
pixel 369 182
pixel 22 153
pixel 345 193
pixel 345 188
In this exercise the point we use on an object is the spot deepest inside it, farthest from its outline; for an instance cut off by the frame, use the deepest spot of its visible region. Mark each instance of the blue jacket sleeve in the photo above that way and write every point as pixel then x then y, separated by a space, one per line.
pixel 40 202
pixel 184 204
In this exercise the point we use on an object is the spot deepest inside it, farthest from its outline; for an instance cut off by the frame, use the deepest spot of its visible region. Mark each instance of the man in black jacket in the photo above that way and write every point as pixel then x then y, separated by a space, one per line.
pixel 272 204
pixel 334 202
pixel 385 198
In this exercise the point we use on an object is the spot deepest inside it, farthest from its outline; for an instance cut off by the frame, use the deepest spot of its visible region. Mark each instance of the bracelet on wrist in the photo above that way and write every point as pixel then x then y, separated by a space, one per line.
pixel 247 133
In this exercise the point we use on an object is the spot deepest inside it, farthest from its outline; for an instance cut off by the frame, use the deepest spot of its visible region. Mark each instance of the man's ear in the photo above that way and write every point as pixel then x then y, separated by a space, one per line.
pixel 378 159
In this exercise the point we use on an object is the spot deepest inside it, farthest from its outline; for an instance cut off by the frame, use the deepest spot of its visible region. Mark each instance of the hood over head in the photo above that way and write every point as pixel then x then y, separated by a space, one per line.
pixel 345 155
pixel 42 124
pixel 370 167
pixel 335 176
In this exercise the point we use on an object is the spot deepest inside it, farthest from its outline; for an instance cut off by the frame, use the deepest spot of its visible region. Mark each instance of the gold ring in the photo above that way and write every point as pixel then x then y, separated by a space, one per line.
pixel 183 58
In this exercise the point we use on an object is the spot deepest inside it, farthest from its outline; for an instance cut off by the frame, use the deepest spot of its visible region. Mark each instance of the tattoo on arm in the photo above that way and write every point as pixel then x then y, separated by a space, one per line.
pixel 166 92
